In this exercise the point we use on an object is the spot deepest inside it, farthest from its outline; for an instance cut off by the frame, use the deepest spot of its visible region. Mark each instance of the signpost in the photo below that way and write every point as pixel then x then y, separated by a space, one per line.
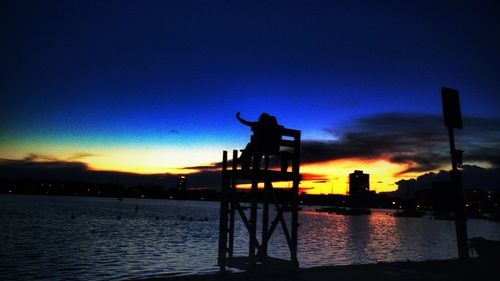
pixel 453 119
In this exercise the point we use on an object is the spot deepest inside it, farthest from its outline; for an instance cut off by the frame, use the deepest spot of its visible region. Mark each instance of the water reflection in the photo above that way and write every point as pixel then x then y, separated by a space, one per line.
pixel 40 240
pixel 372 238
pixel 384 236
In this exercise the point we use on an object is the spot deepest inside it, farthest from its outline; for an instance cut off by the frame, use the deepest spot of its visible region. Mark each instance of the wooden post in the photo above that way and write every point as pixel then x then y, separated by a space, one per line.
pixel 232 190
pixel 295 203
pixel 253 212
pixel 265 218
pixel 223 231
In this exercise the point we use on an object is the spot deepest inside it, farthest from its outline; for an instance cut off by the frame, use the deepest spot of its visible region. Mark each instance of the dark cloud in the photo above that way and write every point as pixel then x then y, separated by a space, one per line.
pixel 211 167
pixel 36 167
pixel 39 157
pixel 473 177
pixel 34 157
pixel 79 156
pixel 315 177
pixel 32 167
pixel 420 140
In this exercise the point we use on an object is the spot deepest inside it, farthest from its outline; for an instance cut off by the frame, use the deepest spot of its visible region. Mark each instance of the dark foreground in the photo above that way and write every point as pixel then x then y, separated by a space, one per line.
pixel 408 271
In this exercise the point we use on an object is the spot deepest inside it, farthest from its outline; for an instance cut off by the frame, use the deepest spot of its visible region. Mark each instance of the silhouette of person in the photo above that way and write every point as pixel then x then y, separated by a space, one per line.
pixel 264 141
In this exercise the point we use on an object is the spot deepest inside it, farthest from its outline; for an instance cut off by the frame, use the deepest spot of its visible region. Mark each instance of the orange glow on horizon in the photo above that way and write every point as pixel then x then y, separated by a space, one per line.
pixel 318 178
pixel 127 159
pixel 333 176
pixel 383 175
pixel 153 161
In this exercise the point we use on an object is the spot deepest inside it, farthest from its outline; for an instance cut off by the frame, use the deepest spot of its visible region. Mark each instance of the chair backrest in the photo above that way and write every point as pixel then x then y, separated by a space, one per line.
pixel 290 143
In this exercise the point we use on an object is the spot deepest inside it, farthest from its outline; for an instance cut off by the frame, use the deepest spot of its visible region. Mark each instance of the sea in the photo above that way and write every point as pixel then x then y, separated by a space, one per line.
pixel 90 238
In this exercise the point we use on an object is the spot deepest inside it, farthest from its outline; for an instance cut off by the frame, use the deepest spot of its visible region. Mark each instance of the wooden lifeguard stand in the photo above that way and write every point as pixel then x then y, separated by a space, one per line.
pixel 259 172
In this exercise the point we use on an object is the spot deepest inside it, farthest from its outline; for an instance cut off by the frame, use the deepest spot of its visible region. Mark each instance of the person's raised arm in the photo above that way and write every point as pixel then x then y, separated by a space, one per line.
pixel 243 121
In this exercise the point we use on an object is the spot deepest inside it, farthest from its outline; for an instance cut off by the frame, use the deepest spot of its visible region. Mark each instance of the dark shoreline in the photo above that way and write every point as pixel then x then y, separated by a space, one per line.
pixel 474 269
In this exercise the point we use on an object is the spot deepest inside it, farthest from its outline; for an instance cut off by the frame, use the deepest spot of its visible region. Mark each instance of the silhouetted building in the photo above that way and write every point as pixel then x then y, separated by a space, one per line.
pixel 359 183
pixel 181 183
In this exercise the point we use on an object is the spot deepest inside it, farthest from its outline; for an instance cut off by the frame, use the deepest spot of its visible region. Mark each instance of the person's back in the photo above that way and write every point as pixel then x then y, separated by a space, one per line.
pixel 267 134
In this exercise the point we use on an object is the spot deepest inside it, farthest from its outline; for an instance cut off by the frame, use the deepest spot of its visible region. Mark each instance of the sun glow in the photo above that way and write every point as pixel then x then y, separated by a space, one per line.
pixel 130 159
pixel 318 178
pixel 333 176
pixel 151 161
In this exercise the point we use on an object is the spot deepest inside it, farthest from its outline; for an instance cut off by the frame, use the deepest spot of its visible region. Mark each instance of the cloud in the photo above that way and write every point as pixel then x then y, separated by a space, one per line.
pixel 45 168
pixel 35 157
pixel 39 157
pixel 32 167
pixel 420 140
pixel 79 156
pixel 473 177
pixel 315 177
pixel 212 167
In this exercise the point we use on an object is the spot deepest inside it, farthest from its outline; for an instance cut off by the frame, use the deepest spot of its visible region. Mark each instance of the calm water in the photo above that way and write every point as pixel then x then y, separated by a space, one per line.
pixel 39 240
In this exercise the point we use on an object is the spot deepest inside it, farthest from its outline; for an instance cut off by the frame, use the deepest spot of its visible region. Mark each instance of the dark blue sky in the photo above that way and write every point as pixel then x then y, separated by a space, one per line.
pixel 92 77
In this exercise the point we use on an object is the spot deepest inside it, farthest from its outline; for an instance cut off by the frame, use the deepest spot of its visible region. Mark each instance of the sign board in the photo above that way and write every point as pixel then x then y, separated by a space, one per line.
pixel 451 108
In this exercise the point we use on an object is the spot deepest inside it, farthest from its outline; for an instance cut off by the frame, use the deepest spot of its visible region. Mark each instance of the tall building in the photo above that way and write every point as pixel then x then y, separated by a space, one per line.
pixel 181 182
pixel 359 183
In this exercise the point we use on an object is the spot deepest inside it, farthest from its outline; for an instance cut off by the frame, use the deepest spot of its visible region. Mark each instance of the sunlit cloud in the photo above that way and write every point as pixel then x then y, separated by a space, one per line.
pixel 418 141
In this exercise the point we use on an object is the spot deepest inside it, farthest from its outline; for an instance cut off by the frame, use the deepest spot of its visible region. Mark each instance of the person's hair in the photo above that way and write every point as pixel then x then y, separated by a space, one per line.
pixel 264 117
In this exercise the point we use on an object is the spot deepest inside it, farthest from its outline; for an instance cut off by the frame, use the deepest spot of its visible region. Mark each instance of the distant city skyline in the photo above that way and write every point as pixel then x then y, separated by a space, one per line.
pixel 153 88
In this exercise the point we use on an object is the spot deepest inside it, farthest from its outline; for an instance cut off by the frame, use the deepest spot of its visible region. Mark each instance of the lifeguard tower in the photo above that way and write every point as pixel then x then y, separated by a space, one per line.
pixel 280 165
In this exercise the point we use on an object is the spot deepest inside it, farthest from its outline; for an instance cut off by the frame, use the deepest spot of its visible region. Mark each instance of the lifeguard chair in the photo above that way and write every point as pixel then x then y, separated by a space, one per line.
pixel 280 164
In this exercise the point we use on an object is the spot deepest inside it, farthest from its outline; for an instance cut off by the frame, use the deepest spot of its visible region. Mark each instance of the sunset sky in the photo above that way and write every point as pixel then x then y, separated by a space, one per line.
pixel 153 86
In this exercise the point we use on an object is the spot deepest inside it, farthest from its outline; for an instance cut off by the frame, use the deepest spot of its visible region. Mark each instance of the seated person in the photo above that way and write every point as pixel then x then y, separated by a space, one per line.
pixel 264 141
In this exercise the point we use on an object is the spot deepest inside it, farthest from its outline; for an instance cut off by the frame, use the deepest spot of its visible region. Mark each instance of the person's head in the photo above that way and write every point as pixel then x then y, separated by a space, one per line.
pixel 264 117
pixel 267 119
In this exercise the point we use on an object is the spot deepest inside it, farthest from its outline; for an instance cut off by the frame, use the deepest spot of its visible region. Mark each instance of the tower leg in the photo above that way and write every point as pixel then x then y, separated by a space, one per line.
pixel 265 218
pixel 295 224
pixel 252 231
pixel 223 216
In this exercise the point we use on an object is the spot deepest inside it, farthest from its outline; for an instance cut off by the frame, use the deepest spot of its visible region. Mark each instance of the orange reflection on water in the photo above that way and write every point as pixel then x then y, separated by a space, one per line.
pixel 348 239
pixel 382 229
